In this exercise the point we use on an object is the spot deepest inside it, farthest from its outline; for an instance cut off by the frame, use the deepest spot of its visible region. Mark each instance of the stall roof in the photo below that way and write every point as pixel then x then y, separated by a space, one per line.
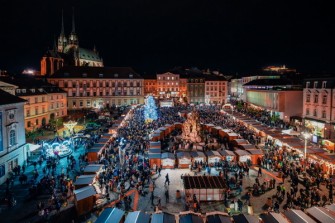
pixel 204 182
pixel 84 192
pixel 241 141
pixel 232 134
pixel 95 150
pixel 217 218
pixel 103 140
pixel 154 155
pixel 273 217
pixel 240 152
pixel 226 130
pixel 331 207
pixel 248 146
pixel 183 154
pixel 137 217
pixel 255 151
pixel 154 144
pixel 245 218
pixel 190 218
pixel 110 215
pixel 167 156
pixel 218 127
pixel 197 154
pixel 93 168
pixel 210 125
pixel 84 179
pixel 213 153
pixel 155 150
pixel 297 216
pixel 162 218
pixel 321 214
pixel 225 152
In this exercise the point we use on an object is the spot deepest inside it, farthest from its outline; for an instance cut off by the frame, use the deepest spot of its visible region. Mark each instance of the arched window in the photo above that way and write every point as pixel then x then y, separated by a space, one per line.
pixel 12 137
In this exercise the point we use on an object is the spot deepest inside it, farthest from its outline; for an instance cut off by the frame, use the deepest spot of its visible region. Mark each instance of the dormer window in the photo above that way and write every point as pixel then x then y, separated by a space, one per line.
pixel 324 84
pixel 32 90
pixel 101 75
pixel 23 90
pixel 116 75
pixel 315 84
pixel 18 91
pixel 131 75
pixel 84 74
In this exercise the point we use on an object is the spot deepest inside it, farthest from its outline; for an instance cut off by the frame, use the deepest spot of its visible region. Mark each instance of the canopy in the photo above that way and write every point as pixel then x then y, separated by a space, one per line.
pixel 84 179
pixel 197 154
pixel 110 215
pixel 205 182
pixel 162 218
pixel 137 217
pixel 57 139
pixel 298 216
pixel 321 214
pixel 183 154
pixel 84 192
pixel 225 152
pixel 213 153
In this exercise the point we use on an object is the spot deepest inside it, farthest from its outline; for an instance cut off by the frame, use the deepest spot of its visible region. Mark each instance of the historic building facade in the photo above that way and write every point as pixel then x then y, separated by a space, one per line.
pixel 150 86
pixel 67 52
pixel 168 85
pixel 98 87
pixel 319 106
pixel 12 134
pixel 216 90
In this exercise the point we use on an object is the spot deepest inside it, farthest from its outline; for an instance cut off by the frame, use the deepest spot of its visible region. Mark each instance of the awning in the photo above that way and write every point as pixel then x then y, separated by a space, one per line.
pixel 33 147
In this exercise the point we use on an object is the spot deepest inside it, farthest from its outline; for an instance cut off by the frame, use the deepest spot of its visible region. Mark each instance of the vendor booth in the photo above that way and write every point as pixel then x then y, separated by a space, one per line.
pixel 111 215
pixel 247 146
pixel 168 160
pixel 137 217
pixel 84 199
pixel 256 155
pixel 224 132
pixel 154 159
pixel 213 157
pixel 93 169
pixel 216 130
pixel 206 188
pixel 217 217
pixel 198 157
pixel 232 135
pixel 83 181
pixel 190 218
pixel 168 128
pixel 242 155
pixel 273 217
pixel 245 218
pixel 155 145
pixel 237 142
pixel 163 217
pixel 184 159
pixel 321 214
pixel 155 136
pixel 297 216
pixel 227 155
pixel 209 127
pixel 94 154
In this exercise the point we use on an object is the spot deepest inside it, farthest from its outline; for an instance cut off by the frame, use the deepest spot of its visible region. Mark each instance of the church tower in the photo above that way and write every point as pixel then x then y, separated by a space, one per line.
pixel 73 39
pixel 62 41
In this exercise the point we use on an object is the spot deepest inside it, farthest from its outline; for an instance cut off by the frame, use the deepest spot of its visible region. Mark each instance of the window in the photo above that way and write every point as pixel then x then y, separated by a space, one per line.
pixel 28 112
pixel 74 104
pixel 307 84
pixel 28 124
pixel 316 98
pixel 81 103
pixel 315 113
pixel 12 138
pixel 36 122
pixel 36 110
pixel 308 98
pixel 324 99
pixel 88 103
pixel 323 114
pixel 307 111
pixel 36 100
pixel 315 84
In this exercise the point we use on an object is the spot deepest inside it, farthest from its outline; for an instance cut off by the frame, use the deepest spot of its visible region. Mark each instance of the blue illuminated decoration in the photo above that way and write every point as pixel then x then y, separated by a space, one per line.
pixel 150 110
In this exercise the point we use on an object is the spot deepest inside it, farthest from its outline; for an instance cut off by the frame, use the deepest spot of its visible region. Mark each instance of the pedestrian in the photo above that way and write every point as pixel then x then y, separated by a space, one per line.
pixel 167 196
pixel 167 180
pixel 152 198
pixel 259 171
pixel 159 171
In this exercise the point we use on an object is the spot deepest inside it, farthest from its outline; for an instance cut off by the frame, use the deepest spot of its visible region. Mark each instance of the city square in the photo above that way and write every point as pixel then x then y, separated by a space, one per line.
pixel 163 120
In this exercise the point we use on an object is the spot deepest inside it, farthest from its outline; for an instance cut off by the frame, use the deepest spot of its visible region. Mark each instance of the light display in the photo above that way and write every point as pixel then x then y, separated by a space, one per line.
pixel 150 110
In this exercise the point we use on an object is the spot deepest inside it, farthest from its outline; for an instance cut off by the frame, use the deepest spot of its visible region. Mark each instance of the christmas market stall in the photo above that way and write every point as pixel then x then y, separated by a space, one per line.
pixel 224 132
pixel 232 135
pixel 163 131
pixel 198 157
pixel 84 199
pixel 256 155
pixel 169 129
pixel 237 142
pixel 154 154
pixel 213 157
pixel 163 217
pixel 155 136
pixel 321 214
pixel 84 180
pixel 218 217
pixel 184 159
pixel 190 217
pixel 168 160
pixel 206 188
pixel 273 217
pixel 94 153
pixel 178 125
pixel 246 146
pixel 245 218
pixel 297 216
pixel 227 155
pixel 138 217
pixel 242 155
pixel 111 215
pixel 93 169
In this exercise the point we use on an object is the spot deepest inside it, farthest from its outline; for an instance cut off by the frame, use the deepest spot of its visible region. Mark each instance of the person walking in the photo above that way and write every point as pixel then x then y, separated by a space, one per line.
pixel 259 171
pixel 167 180
pixel 159 171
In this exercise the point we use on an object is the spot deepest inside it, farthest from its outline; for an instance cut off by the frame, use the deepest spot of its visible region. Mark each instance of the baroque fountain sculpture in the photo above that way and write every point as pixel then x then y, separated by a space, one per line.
pixel 192 127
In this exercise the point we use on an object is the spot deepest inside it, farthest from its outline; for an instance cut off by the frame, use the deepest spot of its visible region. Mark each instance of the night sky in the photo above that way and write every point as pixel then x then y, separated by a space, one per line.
pixel 154 35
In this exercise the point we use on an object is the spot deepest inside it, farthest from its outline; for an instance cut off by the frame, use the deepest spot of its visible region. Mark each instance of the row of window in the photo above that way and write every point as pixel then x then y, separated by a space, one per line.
pixel 36 99
pixel 113 102
pixel 167 78
pixel 98 84
pixel 315 113
pixel 316 99
pixel 324 84
pixel 215 88
pixel 43 109
pixel 116 93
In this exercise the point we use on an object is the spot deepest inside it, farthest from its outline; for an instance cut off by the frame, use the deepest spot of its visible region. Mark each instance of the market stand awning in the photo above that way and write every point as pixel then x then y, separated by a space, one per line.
pixel 110 215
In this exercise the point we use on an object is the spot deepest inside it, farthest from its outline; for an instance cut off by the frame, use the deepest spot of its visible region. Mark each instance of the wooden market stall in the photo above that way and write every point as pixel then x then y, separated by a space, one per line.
pixel 237 142
pixel 256 155
pixel 83 181
pixel 213 157
pixel 154 159
pixel 216 130
pixel 242 155
pixel 178 125
pixel 94 153
pixel 155 136
pixel 273 217
pixel 218 217
pixel 163 217
pixel 198 157
pixel 84 199
pixel 137 217
pixel 232 135
pixel 246 146
pixel 227 155
pixel 245 218
pixel 206 188
pixel 297 216
pixel 209 127
pixel 169 129
pixel 163 131
pixel 168 160
pixel 111 215
pixel 224 132
pixel 184 159
pixel 321 214
pixel 93 169
pixel 190 217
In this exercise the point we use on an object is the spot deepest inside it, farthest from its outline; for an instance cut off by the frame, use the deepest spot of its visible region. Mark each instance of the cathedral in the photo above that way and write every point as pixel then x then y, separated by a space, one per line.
pixel 67 52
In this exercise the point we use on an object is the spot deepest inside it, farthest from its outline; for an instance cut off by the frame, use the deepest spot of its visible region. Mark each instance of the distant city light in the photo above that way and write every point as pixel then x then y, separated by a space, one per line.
pixel 30 71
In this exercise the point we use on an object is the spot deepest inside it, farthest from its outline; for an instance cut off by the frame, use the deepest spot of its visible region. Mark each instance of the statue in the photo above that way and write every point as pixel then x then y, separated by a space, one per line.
pixel 192 127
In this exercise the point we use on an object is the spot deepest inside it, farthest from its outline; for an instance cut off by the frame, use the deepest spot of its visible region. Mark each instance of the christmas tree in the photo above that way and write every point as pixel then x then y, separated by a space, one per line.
pixel 150 110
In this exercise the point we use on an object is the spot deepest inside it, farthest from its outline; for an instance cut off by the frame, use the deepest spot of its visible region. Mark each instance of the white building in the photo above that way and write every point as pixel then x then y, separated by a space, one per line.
pixel 12 134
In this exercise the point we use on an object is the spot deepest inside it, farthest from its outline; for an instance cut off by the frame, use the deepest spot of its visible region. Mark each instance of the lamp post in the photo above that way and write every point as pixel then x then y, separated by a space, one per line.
pixel 306 136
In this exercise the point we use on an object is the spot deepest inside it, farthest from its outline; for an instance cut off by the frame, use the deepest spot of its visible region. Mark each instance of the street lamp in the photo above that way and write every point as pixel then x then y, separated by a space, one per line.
pixel 306 136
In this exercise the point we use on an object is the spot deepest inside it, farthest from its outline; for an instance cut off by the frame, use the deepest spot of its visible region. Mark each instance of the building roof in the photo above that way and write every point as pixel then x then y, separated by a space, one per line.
pixel 269 82
pixel 96 72
pixel 7 98
pixel 114 215
pixel 87 54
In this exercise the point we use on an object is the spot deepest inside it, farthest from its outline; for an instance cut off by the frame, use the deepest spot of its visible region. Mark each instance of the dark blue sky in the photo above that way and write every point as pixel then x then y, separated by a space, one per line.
pixel 152 35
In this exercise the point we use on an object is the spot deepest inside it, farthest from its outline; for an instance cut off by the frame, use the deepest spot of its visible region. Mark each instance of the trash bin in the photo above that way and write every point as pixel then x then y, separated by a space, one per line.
pixel 178 195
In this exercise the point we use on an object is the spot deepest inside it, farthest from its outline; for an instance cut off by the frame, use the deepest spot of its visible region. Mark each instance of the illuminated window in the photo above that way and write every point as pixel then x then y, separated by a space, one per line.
pixel 324 83
pixel 308 98
pixel 12 138
pixel 316 98
pixel 323 114
pixel 307 111
pixel 324 99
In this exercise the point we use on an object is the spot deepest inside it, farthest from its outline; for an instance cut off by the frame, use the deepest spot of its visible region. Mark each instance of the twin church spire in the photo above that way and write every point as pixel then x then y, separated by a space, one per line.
pixel 72 41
